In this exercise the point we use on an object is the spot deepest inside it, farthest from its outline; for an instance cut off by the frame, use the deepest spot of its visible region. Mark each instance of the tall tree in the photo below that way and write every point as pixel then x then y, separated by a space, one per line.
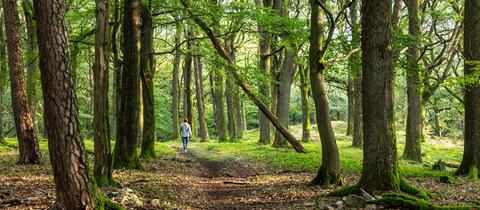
pixel 117 68
pixel 329 172
pixel 264 45
pixel 187 82
pixel 414 87
pixel 125 151
pixel 175 82
pixel 471 156
pixel 102 148
pixel 29 151
pixel 380 168
pixel 33 74
pixel 285 76
pixel 202 125
pixel 147 72
pixel 3 73
pixel 304 92
pixel 355 63
pixel 75 189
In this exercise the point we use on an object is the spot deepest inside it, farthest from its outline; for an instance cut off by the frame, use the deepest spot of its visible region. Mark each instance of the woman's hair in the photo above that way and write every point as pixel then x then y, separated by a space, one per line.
pixel 185 120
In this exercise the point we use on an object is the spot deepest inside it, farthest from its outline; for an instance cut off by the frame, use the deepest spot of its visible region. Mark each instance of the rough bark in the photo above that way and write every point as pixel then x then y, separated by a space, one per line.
pixel 471 154
pixel 117 68
pixel 125 151
pixel 413 148
pixel 304 92
pixel 29 151
pixel 380 168
pixel 329 172
pixel 147 72
pixel 350 105
pixel 102 169
pixel 355 63
pixel 175 83
pixel 187 83
pixel 231 115
pixel 74 187
pixel 264 45
pixel 33 74
pixel 238 80
pixel 202 125
pixel 286 75
pixel 3 74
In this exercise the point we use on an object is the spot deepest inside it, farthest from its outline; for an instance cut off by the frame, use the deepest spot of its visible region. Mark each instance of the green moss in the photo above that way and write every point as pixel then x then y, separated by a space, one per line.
pixel 408 188
pixel 325 179
pixel 395 200
pixel 355 189
pixel 473 173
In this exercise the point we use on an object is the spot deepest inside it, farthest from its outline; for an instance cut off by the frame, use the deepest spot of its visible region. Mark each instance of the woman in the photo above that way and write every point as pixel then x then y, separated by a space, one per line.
pixel 186 133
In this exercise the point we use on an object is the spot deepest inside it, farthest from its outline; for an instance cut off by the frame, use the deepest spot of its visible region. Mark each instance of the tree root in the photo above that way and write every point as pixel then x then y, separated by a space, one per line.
pixel 395 200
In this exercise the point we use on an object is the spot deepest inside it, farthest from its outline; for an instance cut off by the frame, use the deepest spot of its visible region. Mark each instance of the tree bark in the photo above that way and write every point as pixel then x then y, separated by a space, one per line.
pixel 175 83
pixel 117 68
pixel 62 125
pixel 304 92
pixel 125 151
pixel 380 168
pixel 264 45
pixel 29 151
pixel 246 89
pixel 329 172
pixel 33 74
pixel 471 154
pixel 202 125
pixel 102 169
pixel 147 72
pixel 284 88
pixel 3 74
pixel 231 115
pixel 188 103
pixel 355 63
pixel 413 146
pixel 350 104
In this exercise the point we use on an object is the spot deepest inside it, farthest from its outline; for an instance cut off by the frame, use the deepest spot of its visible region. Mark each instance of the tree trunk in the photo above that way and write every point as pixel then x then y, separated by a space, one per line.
pixel 329 172
pixel 350 105
pixel 219 104
pixel 197 65
pixel 471 155
pixel 33 75
pixel 125 152
pixel 231 116
pixel 304 92
pixel 380 168
pixel 147 72
pixel 29 151
pixel 3 74
pixel 264 45
pixel 413 149
pixel 70 170
pixel 355 63
pixel 117 68
pixel 140 108
pixel 188 103
pixel 238 113
pixel 175 83
pixel 103 155
pixel 284 88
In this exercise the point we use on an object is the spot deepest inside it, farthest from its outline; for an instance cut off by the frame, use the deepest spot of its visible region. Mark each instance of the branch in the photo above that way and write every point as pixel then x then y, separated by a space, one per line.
pixel 347 57
pixel 246 89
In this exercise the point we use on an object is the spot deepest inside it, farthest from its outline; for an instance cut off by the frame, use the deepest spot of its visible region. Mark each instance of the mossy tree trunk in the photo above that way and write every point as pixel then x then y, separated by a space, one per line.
pixel 304 92
pixel 3 74
pixel 147 72
pixel 117 67
pixel 471 155
pixel 355 63
pixel 329 172
pixel 413 146
pixel 103 154
pixel 125 151
pixel 380 168
pixel 29 151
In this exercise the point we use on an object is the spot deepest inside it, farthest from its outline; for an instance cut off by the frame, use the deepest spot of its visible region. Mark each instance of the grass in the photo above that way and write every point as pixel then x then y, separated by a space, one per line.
pixel 448 150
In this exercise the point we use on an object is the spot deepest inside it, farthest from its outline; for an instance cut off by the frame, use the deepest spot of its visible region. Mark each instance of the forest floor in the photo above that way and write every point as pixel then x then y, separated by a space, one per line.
pixel 240 175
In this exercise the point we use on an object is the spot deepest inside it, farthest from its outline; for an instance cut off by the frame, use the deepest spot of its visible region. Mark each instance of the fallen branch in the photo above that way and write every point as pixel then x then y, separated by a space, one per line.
pixel 232 69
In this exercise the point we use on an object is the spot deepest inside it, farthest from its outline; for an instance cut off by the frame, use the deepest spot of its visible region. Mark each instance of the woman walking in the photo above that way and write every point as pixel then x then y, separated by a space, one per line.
pixel 186 133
